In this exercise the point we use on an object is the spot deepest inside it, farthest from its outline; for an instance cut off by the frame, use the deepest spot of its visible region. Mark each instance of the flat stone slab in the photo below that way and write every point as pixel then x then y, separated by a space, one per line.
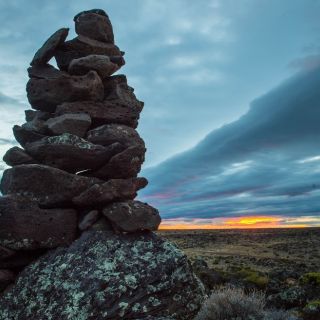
pixel 99 63
pixel 112 190
pixel 46 93
pixel 48 186
pixel 71 153
pixel 111 133
pixel 132 216
pixel 25 226
pixel 106 276
pixel 82 46
pixel 126 164
pixel 46 52
pixel 73 123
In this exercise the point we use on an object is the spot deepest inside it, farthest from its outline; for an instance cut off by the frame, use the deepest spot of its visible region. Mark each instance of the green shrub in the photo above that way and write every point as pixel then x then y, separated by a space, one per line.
pixel 253 277
pixel 312 278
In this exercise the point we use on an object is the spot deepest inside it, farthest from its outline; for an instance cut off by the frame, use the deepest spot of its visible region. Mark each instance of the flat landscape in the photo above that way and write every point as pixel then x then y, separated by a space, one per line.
pixel 260 249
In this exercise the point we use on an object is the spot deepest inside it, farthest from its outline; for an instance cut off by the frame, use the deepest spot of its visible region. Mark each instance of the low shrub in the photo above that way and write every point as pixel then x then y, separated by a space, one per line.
pixel 233 304
pixel 312 278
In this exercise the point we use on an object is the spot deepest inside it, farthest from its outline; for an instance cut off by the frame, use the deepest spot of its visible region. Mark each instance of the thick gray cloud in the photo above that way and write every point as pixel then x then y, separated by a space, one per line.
pixel 267 162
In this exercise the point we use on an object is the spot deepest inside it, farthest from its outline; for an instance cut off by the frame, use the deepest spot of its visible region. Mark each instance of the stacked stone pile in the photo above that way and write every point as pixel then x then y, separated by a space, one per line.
pixel 76 172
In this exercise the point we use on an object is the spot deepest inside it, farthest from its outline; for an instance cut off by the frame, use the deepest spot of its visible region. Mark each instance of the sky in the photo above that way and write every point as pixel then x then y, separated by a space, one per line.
pixel 231 102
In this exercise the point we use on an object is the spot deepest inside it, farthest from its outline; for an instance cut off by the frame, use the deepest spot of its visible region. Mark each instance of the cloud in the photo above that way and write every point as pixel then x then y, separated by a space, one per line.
pixel 265 163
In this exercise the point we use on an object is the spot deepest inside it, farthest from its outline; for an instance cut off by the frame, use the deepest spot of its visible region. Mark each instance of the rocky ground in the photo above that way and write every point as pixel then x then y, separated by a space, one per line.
pixel 284 263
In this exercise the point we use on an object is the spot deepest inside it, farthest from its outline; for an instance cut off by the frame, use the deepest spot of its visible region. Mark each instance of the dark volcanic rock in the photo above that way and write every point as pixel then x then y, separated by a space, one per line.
pixel 73 123
pixel 103 112
pixel 99 63
pixel 125 164
pixel 46 52
pixel 88 220
pixel 6 253
pixel 46 93
pixel 21 259
pixel 24 135
pixel 112 190
pixel 46 71
pixel 6 277
pixel 46 185
pixel 81 47
pixel 111 133
pixel 94 26
pixel 25 226
pixel 71 153
pixel 106 276
pixel 15 156
pixel 132 216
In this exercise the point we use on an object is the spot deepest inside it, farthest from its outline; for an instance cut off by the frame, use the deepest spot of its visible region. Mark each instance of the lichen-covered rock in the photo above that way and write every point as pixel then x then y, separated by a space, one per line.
pixel 25 226
pixel 94 25
pixel 111 133
pixel 132 216
pixel 105 276
pixel 50 187
pixel 71 153
pixel 112 190
pixel 73 123
pixel 99 63
pixel 46 52
pixel 46 93
pixel 15 156
pixel 82 46
pixel 125 164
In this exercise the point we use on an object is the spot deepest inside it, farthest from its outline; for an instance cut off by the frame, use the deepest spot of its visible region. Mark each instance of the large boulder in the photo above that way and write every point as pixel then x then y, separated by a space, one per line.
pixel 6 277
pixel 132 216
pixel 126 164
pixel 71 153
pixel 82 46
pixel 111 133
pixel 112 190
pixel 99 63
pixel 48 186
pixel 105 276
pixel 46 52
pixel 25 226
pixel 94 25
pixel 74 123
pixel 46 93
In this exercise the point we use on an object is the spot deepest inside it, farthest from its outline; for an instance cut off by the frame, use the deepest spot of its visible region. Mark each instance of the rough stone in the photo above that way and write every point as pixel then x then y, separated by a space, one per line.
pixel 49 186
pixel 46 93
pixel 24 135
pixel 112 190
pixel 71 153
pixel 46 71
pixel 82 46
pixel 15 156
pixel 103 112
pixel 88 220
pixel 21 259
pixel 94 26
pixel 132 216
pixel 31 115
pixel 6 253
pixel 46 52
pixel 106 276
pixel 111 133
pixel 6 277
pixel 125 164
pixel 73 123
pixel 25 226
pixel 99 63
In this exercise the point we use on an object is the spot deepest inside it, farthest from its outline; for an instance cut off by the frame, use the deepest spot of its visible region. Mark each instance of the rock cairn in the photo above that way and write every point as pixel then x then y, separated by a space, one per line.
pixel 72 187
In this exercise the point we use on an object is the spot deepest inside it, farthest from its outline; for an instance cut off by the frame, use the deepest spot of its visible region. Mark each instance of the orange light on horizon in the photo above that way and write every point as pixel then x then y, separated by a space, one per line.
pixel 250 222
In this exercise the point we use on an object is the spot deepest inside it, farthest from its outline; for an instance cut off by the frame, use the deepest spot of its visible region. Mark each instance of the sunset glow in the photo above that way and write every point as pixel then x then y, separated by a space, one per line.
pixel 250 222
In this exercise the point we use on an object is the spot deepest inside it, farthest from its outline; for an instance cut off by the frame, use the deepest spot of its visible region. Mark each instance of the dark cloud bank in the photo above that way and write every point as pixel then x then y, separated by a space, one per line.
pixel 267 162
